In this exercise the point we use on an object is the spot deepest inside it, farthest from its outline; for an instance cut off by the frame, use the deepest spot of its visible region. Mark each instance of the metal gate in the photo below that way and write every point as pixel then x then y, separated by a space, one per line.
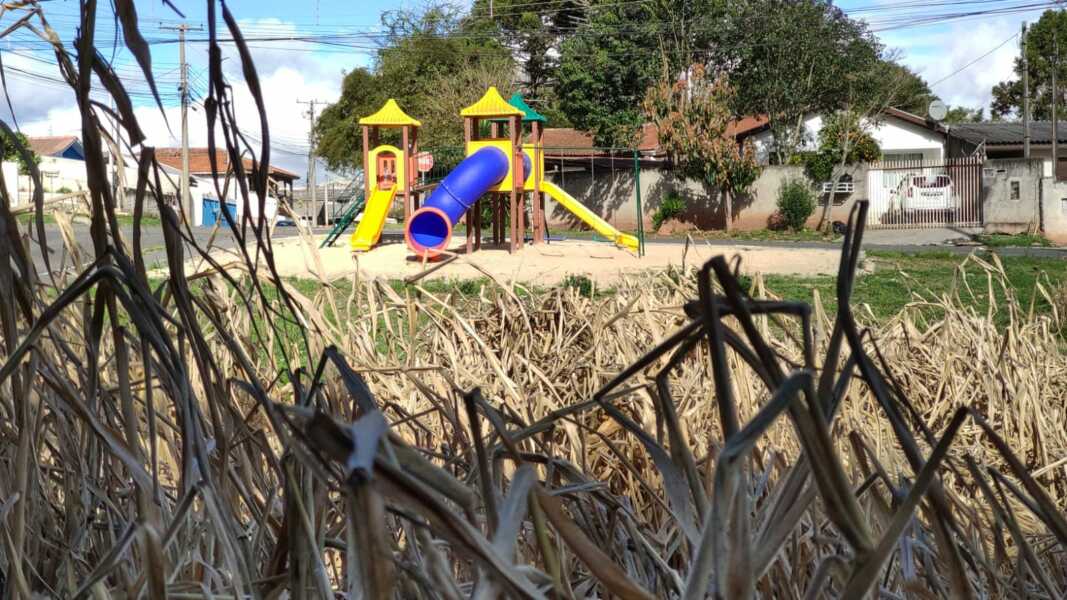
pixel 925 193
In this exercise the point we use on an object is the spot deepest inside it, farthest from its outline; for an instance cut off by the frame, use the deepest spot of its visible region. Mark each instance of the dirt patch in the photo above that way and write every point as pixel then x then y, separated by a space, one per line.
pixel 544 264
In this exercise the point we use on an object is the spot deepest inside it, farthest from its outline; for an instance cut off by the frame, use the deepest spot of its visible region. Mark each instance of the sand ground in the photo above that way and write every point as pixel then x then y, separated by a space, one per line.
pixel 545 264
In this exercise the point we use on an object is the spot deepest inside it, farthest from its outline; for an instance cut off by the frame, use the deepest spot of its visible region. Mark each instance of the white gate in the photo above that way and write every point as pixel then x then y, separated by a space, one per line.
pixel 910 194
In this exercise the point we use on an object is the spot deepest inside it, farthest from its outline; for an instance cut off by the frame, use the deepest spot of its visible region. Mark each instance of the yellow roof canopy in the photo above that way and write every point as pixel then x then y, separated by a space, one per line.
pixel 390 115
pixel 492 104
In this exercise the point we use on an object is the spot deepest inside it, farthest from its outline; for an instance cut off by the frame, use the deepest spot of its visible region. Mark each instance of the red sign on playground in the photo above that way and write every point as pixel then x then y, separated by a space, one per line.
pixel 424 161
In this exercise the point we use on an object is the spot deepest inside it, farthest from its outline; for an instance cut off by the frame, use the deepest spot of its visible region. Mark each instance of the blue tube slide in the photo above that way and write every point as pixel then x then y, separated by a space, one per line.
pixel 429 228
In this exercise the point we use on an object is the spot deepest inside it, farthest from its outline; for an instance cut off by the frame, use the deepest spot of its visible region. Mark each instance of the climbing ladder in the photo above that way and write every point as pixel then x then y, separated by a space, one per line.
pixel 355 205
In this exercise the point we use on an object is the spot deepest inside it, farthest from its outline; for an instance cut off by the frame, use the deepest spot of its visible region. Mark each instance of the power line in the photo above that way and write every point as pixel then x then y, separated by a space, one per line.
pixel 973 62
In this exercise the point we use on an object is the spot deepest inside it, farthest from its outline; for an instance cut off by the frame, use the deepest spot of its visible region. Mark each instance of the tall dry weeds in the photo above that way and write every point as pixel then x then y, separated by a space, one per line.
pixel 226 436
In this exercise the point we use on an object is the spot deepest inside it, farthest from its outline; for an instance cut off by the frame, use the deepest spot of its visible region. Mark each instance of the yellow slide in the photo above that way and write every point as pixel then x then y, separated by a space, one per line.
pixel 592 219
pixel 370 226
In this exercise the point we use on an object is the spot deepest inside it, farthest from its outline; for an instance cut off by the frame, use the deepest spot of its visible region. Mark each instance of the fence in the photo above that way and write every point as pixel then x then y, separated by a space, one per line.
pixel 925 193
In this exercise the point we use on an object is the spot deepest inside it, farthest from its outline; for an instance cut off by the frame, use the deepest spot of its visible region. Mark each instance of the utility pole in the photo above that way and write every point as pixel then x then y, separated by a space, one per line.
pixel 185 201
pixel 1055 117
pixel 1026 95
pixel 310 114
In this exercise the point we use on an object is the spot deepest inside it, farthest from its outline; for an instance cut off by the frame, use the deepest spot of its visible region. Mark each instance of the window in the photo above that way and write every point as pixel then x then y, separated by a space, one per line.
pixel 902 156
pixel 843 187
pixel 1063 205
pixel 1015 189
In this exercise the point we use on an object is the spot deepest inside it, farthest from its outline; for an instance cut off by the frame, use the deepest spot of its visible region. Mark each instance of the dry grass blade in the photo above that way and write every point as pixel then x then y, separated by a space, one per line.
pixel 231 434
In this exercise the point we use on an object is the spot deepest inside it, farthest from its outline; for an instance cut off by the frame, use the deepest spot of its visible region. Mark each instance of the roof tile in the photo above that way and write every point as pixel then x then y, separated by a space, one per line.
pixel 200 162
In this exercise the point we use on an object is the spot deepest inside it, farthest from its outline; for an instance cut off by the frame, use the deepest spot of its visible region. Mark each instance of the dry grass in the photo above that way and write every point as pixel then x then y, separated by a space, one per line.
pixel 225 436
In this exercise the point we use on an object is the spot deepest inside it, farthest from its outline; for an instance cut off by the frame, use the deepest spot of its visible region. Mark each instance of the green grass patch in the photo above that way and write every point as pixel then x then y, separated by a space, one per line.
pixel 899 278
pixel 765 235
pixel 127 220
pixel 1002 240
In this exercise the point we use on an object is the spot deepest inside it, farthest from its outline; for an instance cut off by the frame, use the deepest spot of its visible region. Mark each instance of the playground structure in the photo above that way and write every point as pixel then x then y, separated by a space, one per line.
pixel 388 171
pixel 498 167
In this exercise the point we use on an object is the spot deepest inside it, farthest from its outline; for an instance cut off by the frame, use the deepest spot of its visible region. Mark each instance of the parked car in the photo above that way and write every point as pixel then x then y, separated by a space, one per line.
pixel 926 192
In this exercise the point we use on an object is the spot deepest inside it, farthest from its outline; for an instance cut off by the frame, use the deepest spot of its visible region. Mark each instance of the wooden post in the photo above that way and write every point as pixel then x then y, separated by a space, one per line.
pixel 405 150
pixel 366 162
pixel 469 127
pixel 538 200
pixel 518 212
pixel 477 208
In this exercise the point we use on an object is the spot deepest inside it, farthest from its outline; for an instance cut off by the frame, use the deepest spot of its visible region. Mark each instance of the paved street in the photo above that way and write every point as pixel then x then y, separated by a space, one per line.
pixel 151 241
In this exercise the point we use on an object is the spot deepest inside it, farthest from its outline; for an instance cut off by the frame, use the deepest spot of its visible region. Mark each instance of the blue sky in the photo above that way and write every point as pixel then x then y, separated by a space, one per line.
pixel 291 70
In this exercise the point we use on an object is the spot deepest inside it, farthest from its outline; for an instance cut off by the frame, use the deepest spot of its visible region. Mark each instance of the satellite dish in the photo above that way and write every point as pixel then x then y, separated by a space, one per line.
pixel 937 110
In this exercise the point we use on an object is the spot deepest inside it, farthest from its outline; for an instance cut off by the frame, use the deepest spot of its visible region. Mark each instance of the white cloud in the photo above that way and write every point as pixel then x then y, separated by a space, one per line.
pixel 285 78
pixel 944 54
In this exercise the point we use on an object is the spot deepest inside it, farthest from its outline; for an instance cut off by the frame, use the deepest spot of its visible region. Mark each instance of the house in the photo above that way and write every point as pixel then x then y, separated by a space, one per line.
pixel 63 146
pixel 207 210
pixel 280 181
pixel 1008 140
pixel 901 135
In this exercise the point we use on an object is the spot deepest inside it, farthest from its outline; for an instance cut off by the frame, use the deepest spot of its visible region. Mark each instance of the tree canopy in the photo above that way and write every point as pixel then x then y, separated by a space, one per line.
pixel 431 66
pixel 589 63
pixel 605 68
pixel 693 115
pixel 11 152
pixel 1042 40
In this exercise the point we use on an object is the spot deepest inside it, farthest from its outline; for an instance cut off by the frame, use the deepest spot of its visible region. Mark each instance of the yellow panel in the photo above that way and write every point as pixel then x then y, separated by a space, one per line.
pixel 503 145
pixel 401 165
pixel 529 150
pixel 390 115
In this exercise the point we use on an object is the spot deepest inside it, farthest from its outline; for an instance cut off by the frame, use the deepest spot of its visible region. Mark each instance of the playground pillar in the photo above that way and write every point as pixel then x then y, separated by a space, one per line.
pixel 470 128
pixel 518 204
pixel 366 161
pixel 405 141
pixel 537 133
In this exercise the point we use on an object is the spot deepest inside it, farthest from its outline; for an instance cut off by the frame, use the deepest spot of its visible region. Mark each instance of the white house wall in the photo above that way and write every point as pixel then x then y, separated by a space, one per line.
pixel 11 180
pixel 894 136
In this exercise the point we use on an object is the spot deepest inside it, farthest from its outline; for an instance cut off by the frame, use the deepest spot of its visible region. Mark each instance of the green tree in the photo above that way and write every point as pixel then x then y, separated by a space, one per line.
pixel 902 88
pixel 338 138
pixel 534 29
pixel 810 58
pixel 692 115
pixel 605 68
pixel 843 140
pixel 432 65
pixel 1041 47
pixel 964 114
pixel 11 152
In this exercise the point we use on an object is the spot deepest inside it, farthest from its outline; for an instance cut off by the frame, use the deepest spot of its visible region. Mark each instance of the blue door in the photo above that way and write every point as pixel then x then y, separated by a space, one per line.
pixel 211 212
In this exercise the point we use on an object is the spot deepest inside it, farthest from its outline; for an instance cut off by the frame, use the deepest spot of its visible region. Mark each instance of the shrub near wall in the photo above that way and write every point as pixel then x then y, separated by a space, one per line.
pixel 796 202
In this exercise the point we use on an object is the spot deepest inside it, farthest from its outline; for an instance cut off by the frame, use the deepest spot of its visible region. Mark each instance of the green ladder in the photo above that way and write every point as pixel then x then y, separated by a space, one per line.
pixel 346 219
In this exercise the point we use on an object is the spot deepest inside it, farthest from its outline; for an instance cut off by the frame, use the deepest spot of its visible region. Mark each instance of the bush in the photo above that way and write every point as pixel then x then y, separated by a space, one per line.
pixel 796 203
pixel 671 207
pixel 584 285
pixel 776 222
pixel 64 190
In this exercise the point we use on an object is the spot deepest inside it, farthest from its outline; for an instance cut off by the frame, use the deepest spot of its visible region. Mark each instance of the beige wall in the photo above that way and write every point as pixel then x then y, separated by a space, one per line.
pixel 1002 213
pixel 611 194
pixel 1054 210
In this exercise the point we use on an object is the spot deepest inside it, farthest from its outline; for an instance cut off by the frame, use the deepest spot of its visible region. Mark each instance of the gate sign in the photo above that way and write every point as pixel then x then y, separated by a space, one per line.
pixel 424 161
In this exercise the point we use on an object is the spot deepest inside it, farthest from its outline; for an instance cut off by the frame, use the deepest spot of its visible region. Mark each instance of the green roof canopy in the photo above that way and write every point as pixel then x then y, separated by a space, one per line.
pixel 529 115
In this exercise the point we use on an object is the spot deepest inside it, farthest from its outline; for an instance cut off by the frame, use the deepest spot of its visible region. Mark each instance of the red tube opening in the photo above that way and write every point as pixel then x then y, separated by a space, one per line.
pixel 428 231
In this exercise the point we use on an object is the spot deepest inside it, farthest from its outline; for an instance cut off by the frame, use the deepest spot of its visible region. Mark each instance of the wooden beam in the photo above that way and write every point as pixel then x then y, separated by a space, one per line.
pixel 366 162
pixel 537 135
